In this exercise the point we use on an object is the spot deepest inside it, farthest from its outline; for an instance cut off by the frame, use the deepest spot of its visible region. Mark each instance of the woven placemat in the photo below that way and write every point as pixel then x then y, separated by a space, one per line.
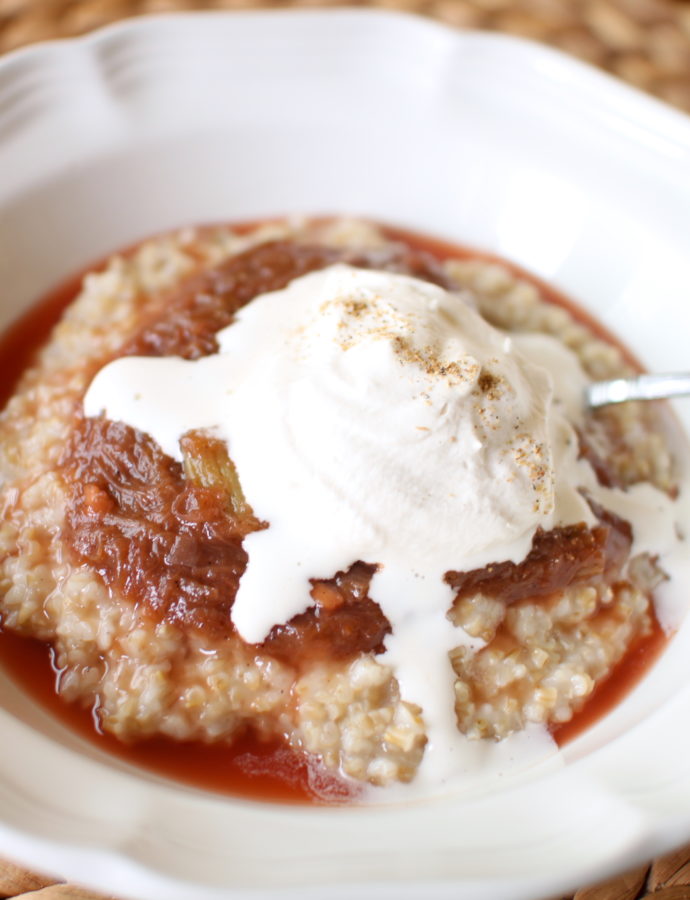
pixel 667 878
pixel 645 42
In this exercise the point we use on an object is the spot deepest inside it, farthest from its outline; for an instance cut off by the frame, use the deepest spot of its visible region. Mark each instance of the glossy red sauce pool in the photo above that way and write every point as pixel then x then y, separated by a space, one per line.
pixel 249 768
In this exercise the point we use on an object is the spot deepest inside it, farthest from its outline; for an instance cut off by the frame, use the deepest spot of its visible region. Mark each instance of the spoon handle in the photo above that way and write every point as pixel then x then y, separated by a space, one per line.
pixel 641 387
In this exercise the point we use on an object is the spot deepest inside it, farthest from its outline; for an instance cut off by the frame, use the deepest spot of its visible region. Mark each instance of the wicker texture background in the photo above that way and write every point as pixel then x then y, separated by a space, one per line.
pixel 645 42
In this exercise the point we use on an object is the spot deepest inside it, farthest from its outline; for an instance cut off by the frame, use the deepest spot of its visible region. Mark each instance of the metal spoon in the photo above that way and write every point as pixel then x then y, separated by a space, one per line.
pixel 641 387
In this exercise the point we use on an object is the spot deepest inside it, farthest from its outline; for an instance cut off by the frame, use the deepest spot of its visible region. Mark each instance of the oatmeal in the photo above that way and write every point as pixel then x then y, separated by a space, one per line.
pixel 309 480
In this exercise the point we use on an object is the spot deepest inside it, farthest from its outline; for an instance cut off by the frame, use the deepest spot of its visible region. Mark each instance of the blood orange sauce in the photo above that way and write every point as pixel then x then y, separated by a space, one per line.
pixel 609 693
pixel 248 768
pixel 251 768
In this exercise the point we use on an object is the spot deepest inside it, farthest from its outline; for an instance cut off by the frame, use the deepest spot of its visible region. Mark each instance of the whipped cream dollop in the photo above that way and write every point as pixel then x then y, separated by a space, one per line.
pixel 376 417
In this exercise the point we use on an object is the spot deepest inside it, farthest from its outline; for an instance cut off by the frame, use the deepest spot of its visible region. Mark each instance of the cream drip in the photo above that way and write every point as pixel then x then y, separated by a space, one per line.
pixel 375 417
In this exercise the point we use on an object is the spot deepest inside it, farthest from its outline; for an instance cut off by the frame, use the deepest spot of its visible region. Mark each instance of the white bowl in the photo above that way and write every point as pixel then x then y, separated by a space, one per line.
pixel 481 139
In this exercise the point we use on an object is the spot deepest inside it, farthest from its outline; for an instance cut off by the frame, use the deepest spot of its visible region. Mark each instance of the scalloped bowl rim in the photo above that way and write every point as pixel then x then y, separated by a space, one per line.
pixel 136 835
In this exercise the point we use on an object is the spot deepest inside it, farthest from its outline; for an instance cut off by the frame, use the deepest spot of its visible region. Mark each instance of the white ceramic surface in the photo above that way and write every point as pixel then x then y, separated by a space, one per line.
pixel 481 139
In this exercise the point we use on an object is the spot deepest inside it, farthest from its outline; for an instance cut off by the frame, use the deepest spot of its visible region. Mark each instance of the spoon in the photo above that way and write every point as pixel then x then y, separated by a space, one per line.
pixel 641 387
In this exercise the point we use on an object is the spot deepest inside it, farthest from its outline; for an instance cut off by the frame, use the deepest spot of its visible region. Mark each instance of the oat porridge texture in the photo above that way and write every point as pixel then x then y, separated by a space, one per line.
pixel 155 666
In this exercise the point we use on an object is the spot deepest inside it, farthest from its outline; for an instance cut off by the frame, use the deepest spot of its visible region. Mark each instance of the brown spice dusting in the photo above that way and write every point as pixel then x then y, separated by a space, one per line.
pixel 488 382
pixel 186 320
pixel 428 360
pixel 173 544
pixel 355 308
